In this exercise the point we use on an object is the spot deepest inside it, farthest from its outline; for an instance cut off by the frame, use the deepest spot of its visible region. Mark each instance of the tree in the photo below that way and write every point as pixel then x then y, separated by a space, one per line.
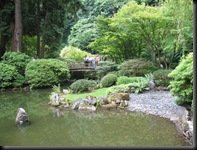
pixel 17 44
pixel 85 31
pixel 147 31
pixel 82 33
pixel 6 19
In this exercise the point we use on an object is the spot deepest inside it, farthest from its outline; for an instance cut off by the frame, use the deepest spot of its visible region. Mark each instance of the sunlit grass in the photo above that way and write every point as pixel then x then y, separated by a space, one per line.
pixel 98 92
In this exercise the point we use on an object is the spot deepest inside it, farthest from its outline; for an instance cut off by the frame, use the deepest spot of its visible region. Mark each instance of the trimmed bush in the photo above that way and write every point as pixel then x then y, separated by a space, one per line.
pixel 119 88
pixel 139 86
pixel 126 80
pixel 9 76
pixel 108 80
pixel 182 83
pixel 161 77
pixel 17 59
pixel 73 53
pixel 83 85
pixel 136 67
pixel 105 67
pixel 46 72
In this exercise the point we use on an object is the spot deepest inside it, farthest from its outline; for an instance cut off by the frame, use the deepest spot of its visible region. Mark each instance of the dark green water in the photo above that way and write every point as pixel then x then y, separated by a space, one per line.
pixel 71 128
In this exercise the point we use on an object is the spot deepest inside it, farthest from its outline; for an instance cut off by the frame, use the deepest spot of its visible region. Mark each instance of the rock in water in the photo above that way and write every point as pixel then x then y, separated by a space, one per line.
pixel 21 117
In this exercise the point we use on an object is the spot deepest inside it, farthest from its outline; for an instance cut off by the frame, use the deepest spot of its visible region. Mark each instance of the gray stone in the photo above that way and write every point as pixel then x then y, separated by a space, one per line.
pixel 21 117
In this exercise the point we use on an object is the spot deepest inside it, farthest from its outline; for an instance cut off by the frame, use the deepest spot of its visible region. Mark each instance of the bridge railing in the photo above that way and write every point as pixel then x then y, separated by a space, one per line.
pixel 80 65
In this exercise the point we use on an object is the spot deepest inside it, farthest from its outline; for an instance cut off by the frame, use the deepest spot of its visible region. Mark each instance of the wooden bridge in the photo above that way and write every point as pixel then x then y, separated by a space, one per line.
pixel 81 67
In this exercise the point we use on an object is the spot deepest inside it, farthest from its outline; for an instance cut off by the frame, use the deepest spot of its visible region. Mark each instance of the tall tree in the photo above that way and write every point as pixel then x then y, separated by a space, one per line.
pixel 6 17
pixel 38 28
pixel 18 31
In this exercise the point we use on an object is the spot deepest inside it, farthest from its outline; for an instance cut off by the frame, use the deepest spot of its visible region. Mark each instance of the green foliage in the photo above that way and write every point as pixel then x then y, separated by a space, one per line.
pixel 123 80
pixel 29 45
pixel 182 83
pixel 161 77
pixel 46 72
pixel 119 88
pixel 83 85
pixel 82 33
pixel 160 34
pixel 56 89
pixel 149 77
pixel 73 53
pixel 17 59
pixel 9 76
pixel 85 30
pixel 105 67
pixel 136 67
pixel 108 80
pixel 126 80
pixel 138 85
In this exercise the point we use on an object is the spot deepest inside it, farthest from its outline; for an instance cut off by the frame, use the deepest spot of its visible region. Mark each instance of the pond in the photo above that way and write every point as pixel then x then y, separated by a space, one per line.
pixel 50 127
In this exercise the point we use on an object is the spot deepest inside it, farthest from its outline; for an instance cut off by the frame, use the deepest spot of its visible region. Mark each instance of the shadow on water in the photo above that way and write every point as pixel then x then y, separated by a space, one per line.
pixel 50 126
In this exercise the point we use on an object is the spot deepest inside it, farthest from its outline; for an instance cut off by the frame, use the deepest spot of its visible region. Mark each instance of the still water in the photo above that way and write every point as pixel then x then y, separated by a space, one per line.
pixel 50 127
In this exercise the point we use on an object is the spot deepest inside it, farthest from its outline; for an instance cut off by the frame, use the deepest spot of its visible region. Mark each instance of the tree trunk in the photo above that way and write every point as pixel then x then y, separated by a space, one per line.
pixel 43 36
pixel 2 46
pixel 38 28
pixel 18 26
pixel 12 24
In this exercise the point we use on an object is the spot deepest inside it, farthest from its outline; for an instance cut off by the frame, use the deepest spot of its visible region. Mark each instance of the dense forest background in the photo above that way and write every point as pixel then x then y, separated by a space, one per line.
pixel 158 30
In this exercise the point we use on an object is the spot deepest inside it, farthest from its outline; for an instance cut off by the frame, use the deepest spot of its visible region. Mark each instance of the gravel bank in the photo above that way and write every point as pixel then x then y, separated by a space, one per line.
pixel 160 103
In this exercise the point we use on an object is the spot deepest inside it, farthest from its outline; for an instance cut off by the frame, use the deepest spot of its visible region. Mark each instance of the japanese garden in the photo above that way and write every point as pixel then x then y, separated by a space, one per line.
pixel 96 73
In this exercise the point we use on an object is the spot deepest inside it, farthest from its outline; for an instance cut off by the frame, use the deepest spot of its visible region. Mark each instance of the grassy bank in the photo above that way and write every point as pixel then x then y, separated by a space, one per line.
pixel 98 92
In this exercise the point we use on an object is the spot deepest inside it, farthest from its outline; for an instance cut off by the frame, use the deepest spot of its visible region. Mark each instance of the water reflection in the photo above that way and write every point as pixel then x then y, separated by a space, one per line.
pixel 55 127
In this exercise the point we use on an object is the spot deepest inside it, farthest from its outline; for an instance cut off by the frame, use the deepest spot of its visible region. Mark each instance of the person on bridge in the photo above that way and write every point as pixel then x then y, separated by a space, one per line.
pixel 86 60
pixel 97 59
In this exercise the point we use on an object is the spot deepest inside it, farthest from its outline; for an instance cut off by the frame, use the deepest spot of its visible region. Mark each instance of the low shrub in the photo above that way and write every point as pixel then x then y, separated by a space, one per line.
pixel 136 67
pixel 108 80
pixel 123 80
pixel 161 77
pixel 139 86
pixel 105 67
pixel 125 88
pixel 182 80
pixel 73 53
pixel 9 76
pixel 46 72
pixel 83 85
pixel 126 80
pixel 17 59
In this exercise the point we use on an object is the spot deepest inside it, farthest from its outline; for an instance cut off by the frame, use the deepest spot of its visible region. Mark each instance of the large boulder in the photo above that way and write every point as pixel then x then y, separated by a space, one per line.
pixel 21 117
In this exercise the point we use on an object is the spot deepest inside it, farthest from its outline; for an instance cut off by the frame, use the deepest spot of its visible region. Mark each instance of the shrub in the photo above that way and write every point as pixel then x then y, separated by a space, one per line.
pixel 73 53
pixel 83 85
pixel 9 76
pixel 105 67
pixel 17 59
pixel 123 80
pixel 108 80
pixel 136 67
pixel 46 72
pixel 161 77
pixel 182 83
pixel 119 88
pixel 126 80
pixel 138 86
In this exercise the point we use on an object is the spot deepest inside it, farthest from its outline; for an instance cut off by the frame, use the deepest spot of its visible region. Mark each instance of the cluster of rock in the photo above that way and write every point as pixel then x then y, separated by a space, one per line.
pixel 113 101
